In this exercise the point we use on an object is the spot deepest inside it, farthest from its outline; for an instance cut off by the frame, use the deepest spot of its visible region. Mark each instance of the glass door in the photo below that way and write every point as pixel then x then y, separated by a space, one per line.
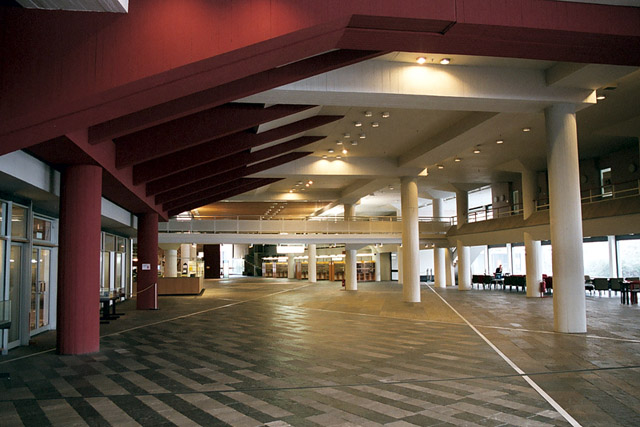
pixel 40 275
pixel 15 280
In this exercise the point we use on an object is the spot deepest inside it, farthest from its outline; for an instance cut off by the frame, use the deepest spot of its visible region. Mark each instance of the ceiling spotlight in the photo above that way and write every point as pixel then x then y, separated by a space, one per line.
pixel 338 142
pixel 338 157
pixel 346 135
pixel 385 114
pixel 306 185
pixel 500 141
pixel 362 136
pixel 325 156
pixel 299 183
pixel 375 124
pixel 368 114
pixel 457 159
pixel 476 151
pixel 310 182
pixel 330 150
pixel 354 142
pixel 391 187
pixel 440 167
pixel 421 60
pixel 357 124
pixel 445 61
pixel 291 191
pixel 600 97
pixel 344 151
pixel 526 129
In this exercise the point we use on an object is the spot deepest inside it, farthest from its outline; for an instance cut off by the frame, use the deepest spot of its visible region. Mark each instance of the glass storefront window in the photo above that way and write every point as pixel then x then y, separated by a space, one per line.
pixel 42 229
pixel 3 210
pixel 18 222
pixel 109 243
pixel 629 258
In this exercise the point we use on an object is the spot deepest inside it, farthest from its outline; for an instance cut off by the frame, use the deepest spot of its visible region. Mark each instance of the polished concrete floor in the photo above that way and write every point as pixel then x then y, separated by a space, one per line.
pixel 276 352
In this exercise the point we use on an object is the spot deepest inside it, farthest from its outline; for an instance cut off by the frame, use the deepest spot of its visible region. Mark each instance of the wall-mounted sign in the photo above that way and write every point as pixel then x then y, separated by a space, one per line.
pixel 146 266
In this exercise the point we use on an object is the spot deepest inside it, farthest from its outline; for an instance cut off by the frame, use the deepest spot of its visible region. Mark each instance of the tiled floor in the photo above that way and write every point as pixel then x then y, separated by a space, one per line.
pixel 276 352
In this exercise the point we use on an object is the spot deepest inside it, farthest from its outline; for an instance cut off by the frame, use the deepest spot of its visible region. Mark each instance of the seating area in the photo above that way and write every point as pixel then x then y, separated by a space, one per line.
pixel 512 281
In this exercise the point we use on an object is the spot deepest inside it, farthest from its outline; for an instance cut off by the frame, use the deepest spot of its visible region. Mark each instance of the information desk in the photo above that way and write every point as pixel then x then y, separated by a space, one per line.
pixel 180 285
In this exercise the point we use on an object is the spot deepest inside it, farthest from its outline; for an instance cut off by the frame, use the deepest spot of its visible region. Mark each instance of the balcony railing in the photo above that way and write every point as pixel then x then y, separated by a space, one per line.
pixel 260 224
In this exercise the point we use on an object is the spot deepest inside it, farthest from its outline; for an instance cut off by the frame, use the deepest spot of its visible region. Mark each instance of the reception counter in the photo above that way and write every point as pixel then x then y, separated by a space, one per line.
pixel 179 285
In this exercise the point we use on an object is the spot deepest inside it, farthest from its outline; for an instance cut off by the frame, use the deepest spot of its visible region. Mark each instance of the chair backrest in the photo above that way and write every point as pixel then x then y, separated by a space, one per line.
pixel 601 284
pixel 614 283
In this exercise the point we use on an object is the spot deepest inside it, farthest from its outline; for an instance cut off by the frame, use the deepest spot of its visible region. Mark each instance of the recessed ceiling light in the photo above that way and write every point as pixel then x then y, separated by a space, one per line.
pixel 306 185
pixel 457 159
pixel 391 187
pixel 324 156
pixel 500 141
pixel 526 129
pixel 440 167
pixel 346 135
pixel 600 97
pixel 385 114
pixel 421 60
pixel 344 151
pixel 354 142
pixel 375 124
pixel 476 151
pixel 445 61
pixel 310 182
pixel 338 157
pixel 368 114
pixel 291 191
pixel 338 142
pixel 299 183
pixel 330 150
pixel 357 124
pixel 362 136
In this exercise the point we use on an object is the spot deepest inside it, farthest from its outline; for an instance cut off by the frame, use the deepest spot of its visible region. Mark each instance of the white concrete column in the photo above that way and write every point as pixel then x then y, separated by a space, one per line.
pixel 410 239
pixel 378 272
pixel 613 259
pixel 349 212
pixel 529 193
pixel 291 267
pixel 185 256
pixel 439 274
pixel 400 265
pixel 532 254
pixel 464 267
pixel 313 277
pixel 448 267
pixel 350 270
pixel 462 208
pixel 565 215
pixel 171 263
pixel 509 266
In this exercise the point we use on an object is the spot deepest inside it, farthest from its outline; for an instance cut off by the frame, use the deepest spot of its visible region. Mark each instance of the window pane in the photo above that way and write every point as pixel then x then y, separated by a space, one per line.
pixel 546 264
pixel 478 266
pixel 596 259
pixel 498 257
pixel 3 229
pixel 18 222
pixel 629 258
pixel 121 245
pixel 519 260
pixel 109 243
pixel 41 229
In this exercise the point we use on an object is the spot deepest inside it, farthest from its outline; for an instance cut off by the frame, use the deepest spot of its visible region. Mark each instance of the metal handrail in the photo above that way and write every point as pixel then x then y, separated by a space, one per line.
pixel 602 193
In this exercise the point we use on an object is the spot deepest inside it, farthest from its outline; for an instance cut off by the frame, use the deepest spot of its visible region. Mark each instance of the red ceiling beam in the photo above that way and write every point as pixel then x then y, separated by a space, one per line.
pixel 226 164
pixel 218 188
pixel 227 92
pixel 223 195
pixel 223 178
pixel 221 147
pixel 195 129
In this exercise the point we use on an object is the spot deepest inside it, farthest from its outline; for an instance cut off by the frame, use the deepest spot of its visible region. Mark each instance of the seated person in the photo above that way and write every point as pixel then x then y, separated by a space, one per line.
pixel 498 272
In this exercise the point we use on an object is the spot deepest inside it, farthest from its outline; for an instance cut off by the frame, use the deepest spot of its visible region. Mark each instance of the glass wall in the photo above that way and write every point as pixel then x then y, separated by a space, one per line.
pixel 519 260
pixel 115 264
pixel 596 258
pixel 546 264
pixel 498 256
pixel 628 257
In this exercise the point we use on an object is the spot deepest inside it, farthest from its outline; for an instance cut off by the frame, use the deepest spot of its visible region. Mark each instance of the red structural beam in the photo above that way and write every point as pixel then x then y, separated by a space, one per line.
pixel 195 129
pixel 224 195
pixel 226 164
pixel 222 178
pixel 219 187
pixel 221 147
pixel 227 92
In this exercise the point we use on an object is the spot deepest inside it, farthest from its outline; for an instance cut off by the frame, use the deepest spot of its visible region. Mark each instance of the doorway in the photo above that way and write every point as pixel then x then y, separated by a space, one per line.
pixel 40 289
pixel 16 275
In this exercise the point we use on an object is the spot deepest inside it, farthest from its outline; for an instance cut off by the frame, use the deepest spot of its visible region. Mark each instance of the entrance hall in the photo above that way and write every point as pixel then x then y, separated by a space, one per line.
pixel 286 352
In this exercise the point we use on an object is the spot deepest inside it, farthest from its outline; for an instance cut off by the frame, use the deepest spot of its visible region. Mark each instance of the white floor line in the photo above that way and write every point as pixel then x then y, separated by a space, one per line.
pixel 515 367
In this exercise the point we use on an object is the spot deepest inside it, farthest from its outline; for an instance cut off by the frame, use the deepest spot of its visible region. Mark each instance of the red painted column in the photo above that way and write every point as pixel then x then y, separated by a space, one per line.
pixel 79 260
pixel 147 294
